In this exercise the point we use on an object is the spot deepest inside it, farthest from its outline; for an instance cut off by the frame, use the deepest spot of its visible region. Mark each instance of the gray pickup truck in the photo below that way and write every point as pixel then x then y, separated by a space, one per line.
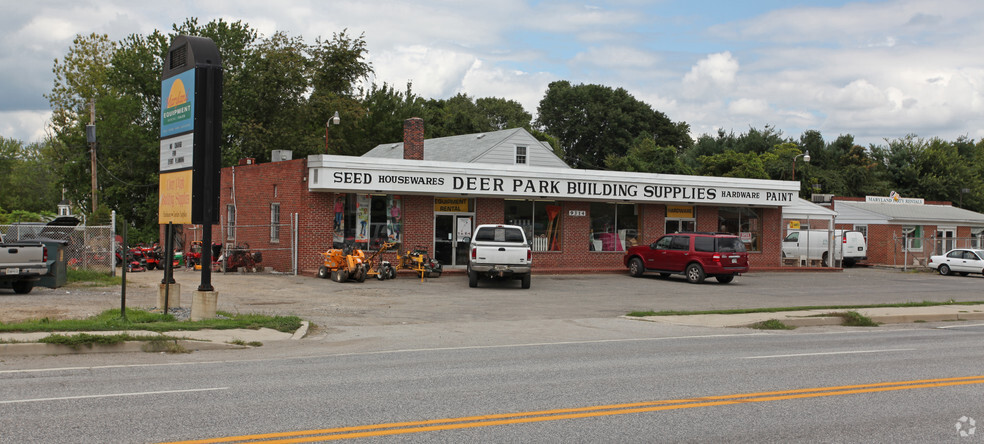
pixel 21 264
pixel 499 252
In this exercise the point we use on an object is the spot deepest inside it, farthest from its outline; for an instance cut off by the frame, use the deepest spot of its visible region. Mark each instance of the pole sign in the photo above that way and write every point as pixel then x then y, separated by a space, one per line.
pixel 191 115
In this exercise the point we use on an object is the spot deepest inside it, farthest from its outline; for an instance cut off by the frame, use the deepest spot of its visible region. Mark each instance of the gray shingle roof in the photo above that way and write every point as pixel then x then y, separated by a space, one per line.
pixel 922 213
pixel 464 148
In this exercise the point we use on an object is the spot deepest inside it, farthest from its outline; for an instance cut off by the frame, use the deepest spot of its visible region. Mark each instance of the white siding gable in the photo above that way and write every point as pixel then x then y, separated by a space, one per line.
pixel 537 154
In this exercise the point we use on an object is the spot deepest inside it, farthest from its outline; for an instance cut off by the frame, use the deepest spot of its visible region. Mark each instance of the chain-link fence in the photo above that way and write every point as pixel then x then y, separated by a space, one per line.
pixel 255 247
pixel 910 251
pixel 86 247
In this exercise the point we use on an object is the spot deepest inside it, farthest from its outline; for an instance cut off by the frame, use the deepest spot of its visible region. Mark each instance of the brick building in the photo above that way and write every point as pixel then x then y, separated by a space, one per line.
pixel 431 193
pixel 906 231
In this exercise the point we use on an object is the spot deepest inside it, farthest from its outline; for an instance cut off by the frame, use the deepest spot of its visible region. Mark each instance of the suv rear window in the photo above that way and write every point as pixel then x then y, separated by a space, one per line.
pixel 704 243
pixel 499 234
pixel 730 245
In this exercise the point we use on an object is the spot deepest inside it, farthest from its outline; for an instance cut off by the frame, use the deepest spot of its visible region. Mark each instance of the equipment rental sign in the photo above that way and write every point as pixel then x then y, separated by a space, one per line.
pixel 440 183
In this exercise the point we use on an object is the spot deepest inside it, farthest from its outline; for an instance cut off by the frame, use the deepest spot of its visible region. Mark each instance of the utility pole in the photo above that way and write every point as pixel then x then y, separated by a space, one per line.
pixel 90 135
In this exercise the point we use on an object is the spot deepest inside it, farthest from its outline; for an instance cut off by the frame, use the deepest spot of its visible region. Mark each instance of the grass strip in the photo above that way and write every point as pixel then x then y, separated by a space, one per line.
pixel 78 340
pixel 110 320
pixel 90 278
pixel 771 324
pixel 808 307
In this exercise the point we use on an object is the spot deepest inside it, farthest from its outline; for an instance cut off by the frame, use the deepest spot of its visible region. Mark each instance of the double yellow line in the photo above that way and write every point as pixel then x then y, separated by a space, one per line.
pixel 399 428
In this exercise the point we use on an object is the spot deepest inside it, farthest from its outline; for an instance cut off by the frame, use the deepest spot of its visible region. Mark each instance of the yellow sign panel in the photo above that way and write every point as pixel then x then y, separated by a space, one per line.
pixel 451 204
pixel 680 211
pixel 794 224
pixel 175 198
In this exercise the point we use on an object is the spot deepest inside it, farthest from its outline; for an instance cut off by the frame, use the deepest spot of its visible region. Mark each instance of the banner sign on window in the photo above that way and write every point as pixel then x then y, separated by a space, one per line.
pixel 363 203
pixel 339 225
pixel 394 219
pixel 678 211
pixel 451 205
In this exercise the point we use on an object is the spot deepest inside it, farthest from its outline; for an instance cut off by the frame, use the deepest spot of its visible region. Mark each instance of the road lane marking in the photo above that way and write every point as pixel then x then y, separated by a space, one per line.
pixel 401 428
pixel 851 352
pixel 113 395
pixel 961 326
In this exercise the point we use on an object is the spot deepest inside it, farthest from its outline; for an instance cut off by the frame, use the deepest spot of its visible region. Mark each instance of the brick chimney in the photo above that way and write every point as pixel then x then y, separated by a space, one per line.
pixel 413 138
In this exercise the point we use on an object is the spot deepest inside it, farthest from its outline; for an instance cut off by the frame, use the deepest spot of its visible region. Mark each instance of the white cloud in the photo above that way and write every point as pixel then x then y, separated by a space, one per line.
pixel 749 107
pixel 27 126
pixel 434 72
pixel 714 74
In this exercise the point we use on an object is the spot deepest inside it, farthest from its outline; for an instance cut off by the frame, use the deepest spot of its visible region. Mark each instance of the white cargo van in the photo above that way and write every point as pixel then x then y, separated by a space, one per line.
pixel 815 244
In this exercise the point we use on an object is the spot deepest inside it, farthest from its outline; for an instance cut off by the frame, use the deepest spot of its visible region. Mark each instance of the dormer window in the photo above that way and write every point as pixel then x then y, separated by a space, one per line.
pixel 520 155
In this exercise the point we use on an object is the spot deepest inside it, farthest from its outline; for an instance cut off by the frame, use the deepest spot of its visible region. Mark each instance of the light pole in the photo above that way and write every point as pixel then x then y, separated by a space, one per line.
pixel 334 120
pixel 806 158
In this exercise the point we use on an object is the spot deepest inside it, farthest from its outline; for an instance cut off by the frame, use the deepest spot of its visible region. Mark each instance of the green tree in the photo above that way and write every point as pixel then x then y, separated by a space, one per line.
pixel 733 164
pixel 932 169
pixel 645 156
pixel 28 178
pixel 385 109
pixel 504 114
pixel 594 121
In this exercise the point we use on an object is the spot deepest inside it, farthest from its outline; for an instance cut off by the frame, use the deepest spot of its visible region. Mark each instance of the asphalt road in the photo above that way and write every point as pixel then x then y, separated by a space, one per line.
pixel 660 384
pixel 554 364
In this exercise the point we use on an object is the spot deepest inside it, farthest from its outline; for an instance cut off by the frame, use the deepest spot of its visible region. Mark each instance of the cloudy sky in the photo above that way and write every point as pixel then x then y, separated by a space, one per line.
pixel 873 69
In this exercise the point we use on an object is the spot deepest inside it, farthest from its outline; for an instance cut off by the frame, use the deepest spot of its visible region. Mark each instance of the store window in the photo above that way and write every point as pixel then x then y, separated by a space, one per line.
pixel 913 237
pixel 366 221
pixel 541 220
pixel 746 223
pixel 863 229
pixel 977 237
pixel 274 222
pixel 230 222
pixel 613 226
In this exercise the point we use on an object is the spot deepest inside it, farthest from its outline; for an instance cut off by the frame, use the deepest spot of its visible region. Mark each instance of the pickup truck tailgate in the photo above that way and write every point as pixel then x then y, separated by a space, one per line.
pixel 499 253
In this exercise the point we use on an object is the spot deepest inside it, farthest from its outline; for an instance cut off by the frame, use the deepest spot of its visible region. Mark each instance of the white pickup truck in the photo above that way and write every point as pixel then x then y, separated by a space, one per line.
pixel 499 252
pixel 22 264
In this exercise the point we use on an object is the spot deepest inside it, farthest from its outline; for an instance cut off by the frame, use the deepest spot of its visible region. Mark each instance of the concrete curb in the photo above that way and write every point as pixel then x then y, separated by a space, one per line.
pixel 301 332
pixel 813 318
pixel 200 340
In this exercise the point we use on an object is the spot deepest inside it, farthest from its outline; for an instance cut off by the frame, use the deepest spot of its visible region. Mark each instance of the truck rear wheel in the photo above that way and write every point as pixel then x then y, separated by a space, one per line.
pixel 472 279
pixel 526 281
pixel 22 287
pixel 695 273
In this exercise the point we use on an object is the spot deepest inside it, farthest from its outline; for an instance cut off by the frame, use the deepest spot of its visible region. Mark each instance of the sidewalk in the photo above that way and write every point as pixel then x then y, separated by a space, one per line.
pixel 807 318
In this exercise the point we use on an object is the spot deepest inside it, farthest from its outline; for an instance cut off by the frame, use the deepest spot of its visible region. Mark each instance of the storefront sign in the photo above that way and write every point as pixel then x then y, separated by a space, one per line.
pixel 577 213
pixel 681 212
pixel 894 198
pixel 175 197
pixel 451 205
pixel 326 175
pixel 794 225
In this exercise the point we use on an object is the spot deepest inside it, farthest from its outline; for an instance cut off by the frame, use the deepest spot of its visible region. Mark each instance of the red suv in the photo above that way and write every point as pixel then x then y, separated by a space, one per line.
pixel 694 255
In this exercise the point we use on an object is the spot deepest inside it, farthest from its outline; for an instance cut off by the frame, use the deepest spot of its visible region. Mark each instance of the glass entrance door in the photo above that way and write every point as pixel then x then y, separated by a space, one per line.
pixel 451 233
pixel 680 225
pixel 944 240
